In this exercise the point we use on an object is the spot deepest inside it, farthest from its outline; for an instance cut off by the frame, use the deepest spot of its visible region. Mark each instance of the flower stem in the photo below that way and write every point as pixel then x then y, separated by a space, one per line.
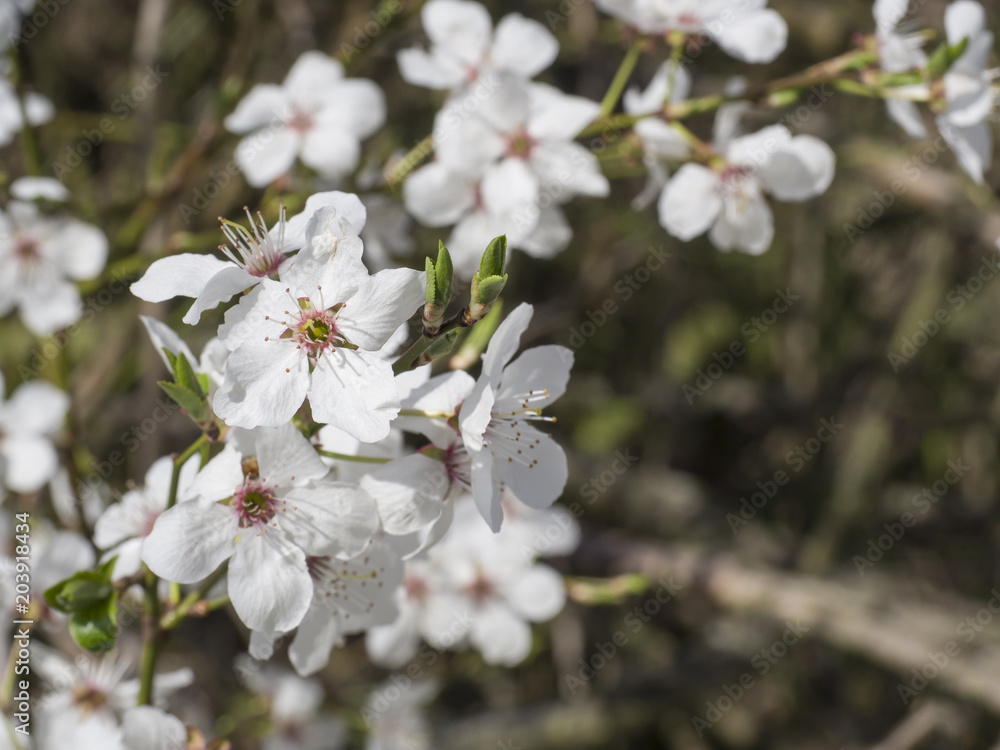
pixel 172 619
pixel 409 162
pixel 622 75
pixel 150 640
pixel 407 359
pixel 427 414
pixel 358 459
pixel 179 462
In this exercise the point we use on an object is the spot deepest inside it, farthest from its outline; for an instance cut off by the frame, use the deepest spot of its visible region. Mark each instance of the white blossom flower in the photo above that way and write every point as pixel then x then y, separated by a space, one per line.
pixel 317 115
pixel 151 728
pixel 37 107
pixel 124 525
pixel 255 255
pixel 263 516
pixel 92 697
pixel 969 91
pixel 43 255
pixel 504 168
pixel 660 142
pixel 506 451
pixel 429 609
pixel 464 46
pixel 745 30
pixel 316 333
pixel 349 596
pixel 29 420
pixel 899 53
pixel 727 197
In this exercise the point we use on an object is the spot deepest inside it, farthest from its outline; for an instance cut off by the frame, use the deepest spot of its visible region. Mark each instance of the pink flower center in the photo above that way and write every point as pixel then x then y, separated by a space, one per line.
pixel 26 249
pixel 415 587
pixel 315 330
pixel 520 144
pixel 301 122
pixel 255 503
pixel 481 588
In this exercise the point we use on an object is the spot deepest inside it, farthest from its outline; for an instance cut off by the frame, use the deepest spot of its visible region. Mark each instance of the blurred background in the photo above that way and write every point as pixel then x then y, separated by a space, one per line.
pixel 797 451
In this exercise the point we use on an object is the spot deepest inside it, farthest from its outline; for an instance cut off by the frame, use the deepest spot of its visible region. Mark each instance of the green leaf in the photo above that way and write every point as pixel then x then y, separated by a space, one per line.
pixel 171 358
pixel 444 273
pixel 79 591
pixel 494 258
pixel 191 402
pixel 430 296
pixel 96 627
pixel 185 376
pixel 488 289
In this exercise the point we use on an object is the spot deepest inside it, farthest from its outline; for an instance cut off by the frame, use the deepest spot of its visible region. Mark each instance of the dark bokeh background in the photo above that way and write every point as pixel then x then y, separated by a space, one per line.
pixel 796 560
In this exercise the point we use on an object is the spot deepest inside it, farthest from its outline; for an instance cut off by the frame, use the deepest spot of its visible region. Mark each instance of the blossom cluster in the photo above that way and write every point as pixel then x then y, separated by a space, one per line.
pixel 340 485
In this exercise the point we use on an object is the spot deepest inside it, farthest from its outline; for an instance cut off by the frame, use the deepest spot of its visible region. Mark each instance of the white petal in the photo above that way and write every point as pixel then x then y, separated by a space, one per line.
pixel 393 645
pixel 463 141
pixel 964 19
pixel 437 196
pixel 311 74
pixel 348 206
pixel 62 307
pixel 266 383
pixel 32 188
pixel 408 492
pixel 35 407
pixel 286 458
pixel 510 188
pixel 799 170
pixel 422 69
pixel 463 28
pixel 558 116
pixel 220 288
pixel 506 340
pixel 382 304
pixel 269 584
pixel 745 223
pixel 907 115
pixel 486 489
pixel 266 155
pixel 538 595
pixel 570 166
pixel 542 368
pixel 523 46
pixel 475 414
pixel 502 638
pixel 264 104
pixel 754 37
pixel 330 518
pixel 538 476
pixel 220 477
pixel 651 100
pixel 164 337
pixel 82 249
pixel 690 202
pixel 550 236
pixel 355 392
pixel 177 276
pixel 31 461
pixel 316 636
pixel 149 728
pixel 333 152
pixel 973 146
pixel 359 108
pixel 190 541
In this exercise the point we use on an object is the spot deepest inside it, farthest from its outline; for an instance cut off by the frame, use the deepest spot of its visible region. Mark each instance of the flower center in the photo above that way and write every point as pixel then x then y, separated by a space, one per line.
pixel 255 503
pixel 481 588
pixel 301 122
pixel 89 697
pixel 457 466
pixel 416 588
pixel 520 144
pixel 26 249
